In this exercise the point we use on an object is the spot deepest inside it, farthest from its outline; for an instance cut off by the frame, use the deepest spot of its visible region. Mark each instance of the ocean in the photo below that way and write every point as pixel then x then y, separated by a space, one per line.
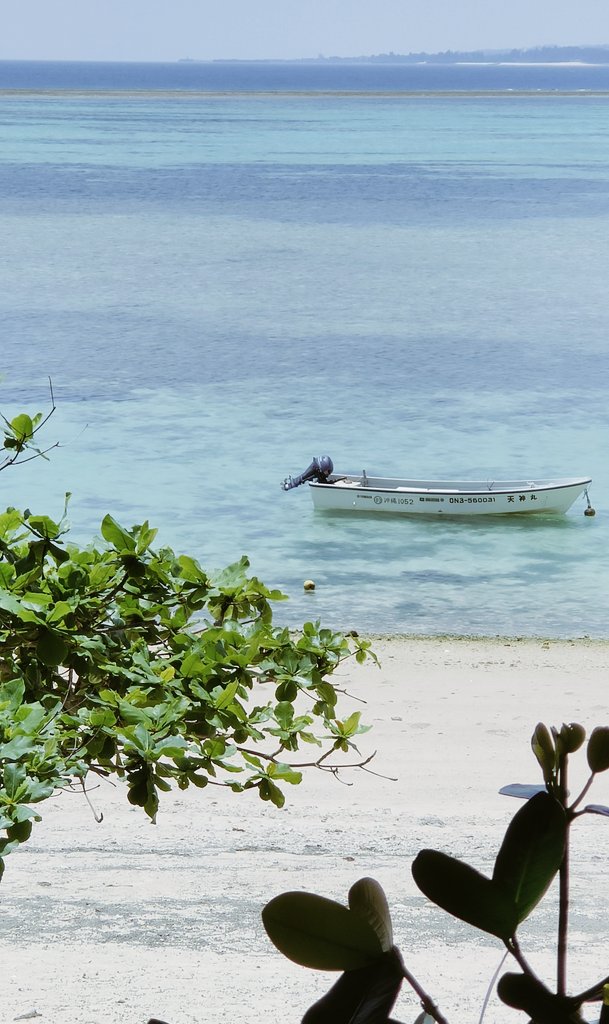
pixel 227 269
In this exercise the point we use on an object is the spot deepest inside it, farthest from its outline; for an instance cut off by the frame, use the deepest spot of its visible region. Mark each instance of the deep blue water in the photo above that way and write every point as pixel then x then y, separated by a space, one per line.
pixel 222 287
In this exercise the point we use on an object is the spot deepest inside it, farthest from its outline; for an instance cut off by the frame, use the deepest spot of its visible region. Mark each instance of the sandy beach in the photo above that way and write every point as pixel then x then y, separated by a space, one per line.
pixel 115 922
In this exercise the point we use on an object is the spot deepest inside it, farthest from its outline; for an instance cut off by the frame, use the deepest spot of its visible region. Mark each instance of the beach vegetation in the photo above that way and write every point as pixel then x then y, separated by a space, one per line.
pixel 357 938
pixel 125 661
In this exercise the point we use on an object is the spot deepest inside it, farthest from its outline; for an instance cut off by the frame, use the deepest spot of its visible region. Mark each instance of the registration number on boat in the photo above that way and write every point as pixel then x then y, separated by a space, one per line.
pixel 485 500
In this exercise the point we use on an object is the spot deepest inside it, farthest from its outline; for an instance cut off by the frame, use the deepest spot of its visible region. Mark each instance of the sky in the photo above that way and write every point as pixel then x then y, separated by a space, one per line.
pixel 159 30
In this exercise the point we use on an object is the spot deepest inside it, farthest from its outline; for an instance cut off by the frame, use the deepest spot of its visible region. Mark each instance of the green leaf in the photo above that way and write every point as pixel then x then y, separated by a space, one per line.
pixel 132 715
pixel 319 933
pixel 327 693
pixel 145 537
pixel 191 570
pixel 59 611
pixel 14 780
pixel 15 749
pixel 544 750
pixel 226 696
pixel 51 648
pixel 598 749
pixel 465 893
pixel 44 526
pixel 287 691
pixel 267 790
pixel 37 791
pixel 25 813
pixel 531 852
pixel 285 773
pixel 9 603
pixel 116 535
pixel 102 716
pixel 22 427
pixel 12 693
pixel 351 726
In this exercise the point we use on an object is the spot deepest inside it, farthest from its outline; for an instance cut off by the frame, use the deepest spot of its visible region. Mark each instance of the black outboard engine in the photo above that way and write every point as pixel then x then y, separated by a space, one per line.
pixel 320 469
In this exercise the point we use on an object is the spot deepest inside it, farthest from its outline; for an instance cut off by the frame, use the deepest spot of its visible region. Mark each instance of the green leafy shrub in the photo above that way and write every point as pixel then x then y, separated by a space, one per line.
pixel 122 660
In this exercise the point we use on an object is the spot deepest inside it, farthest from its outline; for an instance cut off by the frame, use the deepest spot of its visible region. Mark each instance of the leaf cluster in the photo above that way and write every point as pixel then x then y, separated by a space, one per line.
pixel 120 660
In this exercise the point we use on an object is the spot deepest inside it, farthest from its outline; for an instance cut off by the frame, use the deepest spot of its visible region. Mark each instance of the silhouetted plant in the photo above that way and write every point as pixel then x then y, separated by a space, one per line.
pixel 358 939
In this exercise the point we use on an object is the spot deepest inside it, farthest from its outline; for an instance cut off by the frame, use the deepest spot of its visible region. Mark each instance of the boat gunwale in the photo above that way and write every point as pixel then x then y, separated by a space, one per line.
pixel 522 487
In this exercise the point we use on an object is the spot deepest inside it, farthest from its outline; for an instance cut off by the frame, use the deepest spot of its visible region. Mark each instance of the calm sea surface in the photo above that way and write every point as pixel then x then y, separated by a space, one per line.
pixel 228 269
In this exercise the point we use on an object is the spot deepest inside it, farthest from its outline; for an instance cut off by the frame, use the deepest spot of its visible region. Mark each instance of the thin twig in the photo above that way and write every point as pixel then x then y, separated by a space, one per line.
pixel 591 994
pixel 581 796
pixel 514 948
pixel 426 1001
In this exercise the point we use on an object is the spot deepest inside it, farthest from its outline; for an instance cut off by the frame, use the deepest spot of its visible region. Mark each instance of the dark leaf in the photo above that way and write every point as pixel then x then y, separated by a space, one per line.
pixel 367 898
pixel 319 933
pixel 465 893
pixel 51 648
pixel 364 996
pixel 528 994
pixel 531 852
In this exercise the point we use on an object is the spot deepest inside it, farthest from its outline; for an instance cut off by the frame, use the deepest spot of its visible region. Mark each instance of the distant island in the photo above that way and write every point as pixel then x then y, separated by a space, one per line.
pixel 536 55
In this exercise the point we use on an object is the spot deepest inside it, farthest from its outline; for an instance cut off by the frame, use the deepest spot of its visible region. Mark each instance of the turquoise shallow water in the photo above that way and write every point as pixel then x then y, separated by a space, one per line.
pixel 223 288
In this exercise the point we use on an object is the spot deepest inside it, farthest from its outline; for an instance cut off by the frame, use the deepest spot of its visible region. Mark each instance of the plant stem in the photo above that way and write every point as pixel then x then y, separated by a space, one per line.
pixel 563 899
pixel 426 1001
pixel 514 948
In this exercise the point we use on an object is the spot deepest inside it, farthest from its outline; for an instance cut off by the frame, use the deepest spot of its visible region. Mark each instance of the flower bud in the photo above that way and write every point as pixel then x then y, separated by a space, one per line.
pixel 598 749
pixel 571 737
pixel 543 748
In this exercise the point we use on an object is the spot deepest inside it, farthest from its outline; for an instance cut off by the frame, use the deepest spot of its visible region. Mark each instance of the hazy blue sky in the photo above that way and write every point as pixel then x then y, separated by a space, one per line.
pixel 169 29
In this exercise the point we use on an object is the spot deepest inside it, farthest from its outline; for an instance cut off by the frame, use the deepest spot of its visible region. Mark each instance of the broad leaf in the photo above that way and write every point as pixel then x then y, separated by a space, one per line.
pixel 22 427
pixel 367 898
pixel 51 648
pixel 363 996
pixel 319 933
pixel 116 535
pixel 531 852
pixel 465 893
pixel 528 994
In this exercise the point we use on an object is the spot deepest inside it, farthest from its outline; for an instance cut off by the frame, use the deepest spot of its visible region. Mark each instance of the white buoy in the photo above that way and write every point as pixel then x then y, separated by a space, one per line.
pixel 309 584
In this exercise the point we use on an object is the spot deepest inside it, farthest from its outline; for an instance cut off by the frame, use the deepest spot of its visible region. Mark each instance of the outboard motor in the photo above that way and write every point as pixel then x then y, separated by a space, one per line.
pixel 320 469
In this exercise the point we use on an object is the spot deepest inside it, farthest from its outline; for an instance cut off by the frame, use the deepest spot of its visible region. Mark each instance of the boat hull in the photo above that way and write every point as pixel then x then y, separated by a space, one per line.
pixel 411 497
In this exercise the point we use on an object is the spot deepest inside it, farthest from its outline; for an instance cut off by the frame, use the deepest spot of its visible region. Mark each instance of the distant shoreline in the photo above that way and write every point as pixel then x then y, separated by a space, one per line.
pixel 539 55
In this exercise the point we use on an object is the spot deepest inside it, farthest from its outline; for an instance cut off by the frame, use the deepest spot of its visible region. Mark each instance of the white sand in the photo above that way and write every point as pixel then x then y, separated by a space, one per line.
pixel 110 923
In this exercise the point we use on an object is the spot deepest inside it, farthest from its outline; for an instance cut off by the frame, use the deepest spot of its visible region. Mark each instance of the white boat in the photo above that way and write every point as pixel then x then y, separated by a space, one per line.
pixel 393 495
